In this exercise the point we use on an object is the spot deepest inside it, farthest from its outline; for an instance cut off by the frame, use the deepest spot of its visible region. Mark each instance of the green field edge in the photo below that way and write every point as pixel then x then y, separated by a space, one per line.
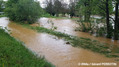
pixel 13 53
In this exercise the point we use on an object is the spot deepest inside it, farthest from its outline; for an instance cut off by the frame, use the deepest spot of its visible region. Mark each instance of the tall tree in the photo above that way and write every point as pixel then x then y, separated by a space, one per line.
pixel 1 5
pixel 116 30
pixel 85 8
pixel 72 6
pixel 58 7
pixel 50 7
pixel 107 19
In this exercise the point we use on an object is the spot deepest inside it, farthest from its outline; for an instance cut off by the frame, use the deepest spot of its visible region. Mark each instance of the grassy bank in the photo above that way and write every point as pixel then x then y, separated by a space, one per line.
pixel 14 54
pixel 60 17
pixel 86 43
pixel 2 15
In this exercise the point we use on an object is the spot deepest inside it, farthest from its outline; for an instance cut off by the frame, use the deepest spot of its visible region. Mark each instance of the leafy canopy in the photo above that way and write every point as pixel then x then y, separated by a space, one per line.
pixel 23 10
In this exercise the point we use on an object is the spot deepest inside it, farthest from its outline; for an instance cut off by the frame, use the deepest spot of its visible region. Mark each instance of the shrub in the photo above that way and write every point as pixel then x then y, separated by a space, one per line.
pixel 27 11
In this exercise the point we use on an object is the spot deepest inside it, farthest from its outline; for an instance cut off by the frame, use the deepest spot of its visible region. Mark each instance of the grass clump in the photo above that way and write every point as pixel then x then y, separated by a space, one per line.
pixel 14 54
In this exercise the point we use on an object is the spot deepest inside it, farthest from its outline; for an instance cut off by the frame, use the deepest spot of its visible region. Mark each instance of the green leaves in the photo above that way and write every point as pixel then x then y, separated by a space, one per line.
pixel 23 10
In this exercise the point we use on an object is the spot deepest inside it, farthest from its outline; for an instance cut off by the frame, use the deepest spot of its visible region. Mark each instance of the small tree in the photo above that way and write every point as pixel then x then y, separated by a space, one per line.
pixel 72 9
pixel 23 10
pixel 1 5
pixel 50 8
pixel 57 7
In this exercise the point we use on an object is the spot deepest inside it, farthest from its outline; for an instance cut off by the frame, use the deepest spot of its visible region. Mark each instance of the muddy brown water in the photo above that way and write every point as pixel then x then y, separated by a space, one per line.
pixel 68 26
pixel 56 50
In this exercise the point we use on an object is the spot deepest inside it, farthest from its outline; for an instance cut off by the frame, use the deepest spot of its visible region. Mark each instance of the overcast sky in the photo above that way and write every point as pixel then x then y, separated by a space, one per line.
pixel 43 1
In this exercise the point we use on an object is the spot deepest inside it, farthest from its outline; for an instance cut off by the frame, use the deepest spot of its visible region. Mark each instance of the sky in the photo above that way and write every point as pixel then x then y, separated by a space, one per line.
pixel 42 2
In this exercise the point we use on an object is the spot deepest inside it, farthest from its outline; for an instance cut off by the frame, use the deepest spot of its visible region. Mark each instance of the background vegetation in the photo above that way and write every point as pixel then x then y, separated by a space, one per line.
pixel 85 9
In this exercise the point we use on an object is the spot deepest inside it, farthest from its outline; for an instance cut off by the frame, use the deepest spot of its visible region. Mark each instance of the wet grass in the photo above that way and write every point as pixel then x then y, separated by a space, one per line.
pixel 14 54
pixel 2 15
pixel 86 43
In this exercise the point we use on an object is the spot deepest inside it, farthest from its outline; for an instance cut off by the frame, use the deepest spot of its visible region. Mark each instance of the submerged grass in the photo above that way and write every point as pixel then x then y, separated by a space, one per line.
pixel 86 43
pixel 14 54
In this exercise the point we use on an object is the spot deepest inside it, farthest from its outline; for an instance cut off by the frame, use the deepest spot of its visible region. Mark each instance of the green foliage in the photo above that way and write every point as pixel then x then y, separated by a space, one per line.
pixel 93 7
pixel 23 10
pixel 1 5
pixel 101 31
pixel 84 8
pixel 14 54
pixel 2 15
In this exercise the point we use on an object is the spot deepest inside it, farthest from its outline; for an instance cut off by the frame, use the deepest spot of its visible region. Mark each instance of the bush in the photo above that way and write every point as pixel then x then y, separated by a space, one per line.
pixel 27 11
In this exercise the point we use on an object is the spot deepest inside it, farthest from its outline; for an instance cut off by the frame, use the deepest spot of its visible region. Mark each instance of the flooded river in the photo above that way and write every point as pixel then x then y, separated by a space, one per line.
pixel 56 50
pixel 68 26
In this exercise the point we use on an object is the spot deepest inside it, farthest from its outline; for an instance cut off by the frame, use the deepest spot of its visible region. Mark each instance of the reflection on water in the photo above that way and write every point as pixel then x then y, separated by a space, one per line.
pixel 55 50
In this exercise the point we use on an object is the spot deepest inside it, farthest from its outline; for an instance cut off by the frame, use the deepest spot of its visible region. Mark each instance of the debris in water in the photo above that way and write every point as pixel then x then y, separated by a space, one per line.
pixel 67 42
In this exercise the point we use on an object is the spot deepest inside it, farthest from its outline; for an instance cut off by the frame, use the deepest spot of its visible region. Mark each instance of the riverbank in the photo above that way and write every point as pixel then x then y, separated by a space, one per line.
pixel 60 17
pixel 14 54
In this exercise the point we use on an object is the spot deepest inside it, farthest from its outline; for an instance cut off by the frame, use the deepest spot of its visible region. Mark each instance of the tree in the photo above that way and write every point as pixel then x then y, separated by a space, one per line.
pixel 50 8
pixel 105 9
pixel 58 7
pixel 107 19
pixel 72 8
pixel 116 24
pixel 23 10
pixel 97 7
pixel 85 8
pixel 1 5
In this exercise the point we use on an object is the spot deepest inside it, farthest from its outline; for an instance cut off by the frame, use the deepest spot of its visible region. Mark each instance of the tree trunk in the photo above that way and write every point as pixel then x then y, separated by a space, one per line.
pixel 118 15
pixel 116 23
pixel 107 20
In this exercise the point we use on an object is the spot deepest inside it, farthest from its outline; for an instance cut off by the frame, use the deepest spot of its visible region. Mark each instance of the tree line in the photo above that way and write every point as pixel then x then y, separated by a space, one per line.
pixel 86 8
pixel 56 7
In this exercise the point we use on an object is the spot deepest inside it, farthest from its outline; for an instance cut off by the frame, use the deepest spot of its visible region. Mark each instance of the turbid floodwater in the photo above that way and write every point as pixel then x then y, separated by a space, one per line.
pixel 56 50
pixel 68 26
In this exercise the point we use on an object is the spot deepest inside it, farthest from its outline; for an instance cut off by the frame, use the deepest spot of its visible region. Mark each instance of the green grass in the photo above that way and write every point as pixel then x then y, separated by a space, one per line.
pixel 2 15
pixel 14 54
pixel 86 43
